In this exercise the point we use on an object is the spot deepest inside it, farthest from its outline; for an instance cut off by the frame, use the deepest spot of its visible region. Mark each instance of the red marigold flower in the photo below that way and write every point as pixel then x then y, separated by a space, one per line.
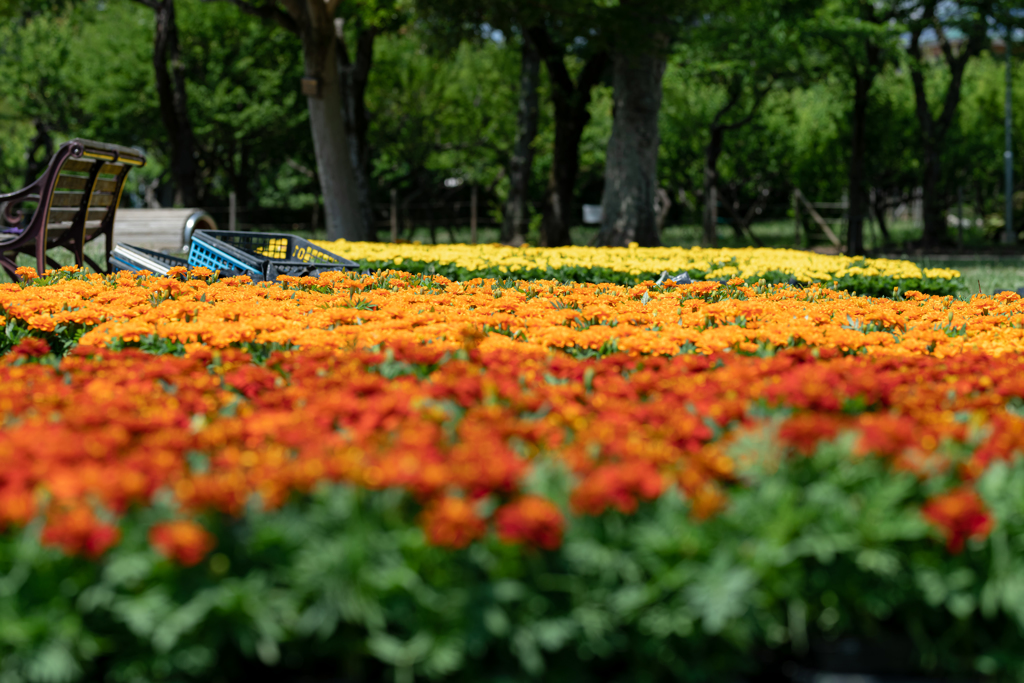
pixel 183 541
pixel 886 435
pixel 531 520
pixel 618 485
pixel 960 514
pixel 803 431
pixel 452 523
pixel 79 532
pixel 31 347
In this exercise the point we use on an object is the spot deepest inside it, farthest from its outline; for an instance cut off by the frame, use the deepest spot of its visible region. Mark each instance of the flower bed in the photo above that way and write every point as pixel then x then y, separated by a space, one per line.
pixel 341 310
pixel 394 473
pixel 629 265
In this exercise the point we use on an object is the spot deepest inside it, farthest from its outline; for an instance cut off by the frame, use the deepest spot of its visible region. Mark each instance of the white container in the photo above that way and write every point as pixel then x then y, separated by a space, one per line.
pixel 593 214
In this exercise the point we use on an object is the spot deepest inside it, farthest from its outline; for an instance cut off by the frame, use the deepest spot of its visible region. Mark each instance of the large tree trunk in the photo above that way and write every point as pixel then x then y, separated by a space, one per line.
pixel 354 76
pixel 517 214
pixel 880 207
pixel 330 139
pixel 313 21
pixel 710 217
pixel 565 165
pixel 936 232
pixel 170 86
pixel 858 202
pixel 631 168
pixel 572 102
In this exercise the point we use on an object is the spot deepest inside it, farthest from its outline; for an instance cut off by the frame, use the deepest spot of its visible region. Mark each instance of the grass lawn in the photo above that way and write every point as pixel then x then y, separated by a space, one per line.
pixel 988 275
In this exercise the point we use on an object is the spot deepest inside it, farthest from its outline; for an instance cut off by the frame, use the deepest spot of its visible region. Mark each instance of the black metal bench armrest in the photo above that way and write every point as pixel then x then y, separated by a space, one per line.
pixel 22 194
pixel 11 199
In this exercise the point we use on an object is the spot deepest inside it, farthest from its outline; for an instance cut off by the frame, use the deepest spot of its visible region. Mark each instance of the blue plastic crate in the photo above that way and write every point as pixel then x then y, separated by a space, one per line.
pixel 208 252
pixel 263 255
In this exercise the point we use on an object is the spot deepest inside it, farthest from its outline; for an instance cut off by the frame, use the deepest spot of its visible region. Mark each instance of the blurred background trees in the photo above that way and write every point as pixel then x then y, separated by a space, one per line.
pixel 704 118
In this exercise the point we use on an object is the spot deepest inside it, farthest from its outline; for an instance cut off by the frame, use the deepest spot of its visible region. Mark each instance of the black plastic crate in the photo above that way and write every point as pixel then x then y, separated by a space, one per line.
pixel 270 254
pixel 128 257
pixel 280 247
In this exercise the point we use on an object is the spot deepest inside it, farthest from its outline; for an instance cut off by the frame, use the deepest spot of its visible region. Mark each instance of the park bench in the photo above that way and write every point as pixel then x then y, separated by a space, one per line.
pixel 167 230
pixel 76 200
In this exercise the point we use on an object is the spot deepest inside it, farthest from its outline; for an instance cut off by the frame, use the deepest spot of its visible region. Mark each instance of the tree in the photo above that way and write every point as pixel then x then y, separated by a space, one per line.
pixel 572 113
pixel 863 40
pixel 313 21
pixel 443 115
pixel 745 50
pixel 354 71
pixel 169 68
pixel 450 22
pixel 641 41
pixel 362 23
pixel 251 122
pixel 37 80
pixel 517 218
pixel 960 32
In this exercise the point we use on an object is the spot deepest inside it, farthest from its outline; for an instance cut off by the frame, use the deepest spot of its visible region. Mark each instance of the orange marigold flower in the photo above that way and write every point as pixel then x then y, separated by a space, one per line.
pixel 26 273
pixel 708 500
pixel 531 520
pixel 176 271
pixel 17 505
pixel 960 514
pixel 452 523
pixel 183 541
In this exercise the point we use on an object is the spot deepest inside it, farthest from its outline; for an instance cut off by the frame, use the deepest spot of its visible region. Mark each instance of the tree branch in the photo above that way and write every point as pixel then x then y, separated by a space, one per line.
pixel 554 59
pixel 593 71
pixel 733 99
pixel 266 12
pixel 758 99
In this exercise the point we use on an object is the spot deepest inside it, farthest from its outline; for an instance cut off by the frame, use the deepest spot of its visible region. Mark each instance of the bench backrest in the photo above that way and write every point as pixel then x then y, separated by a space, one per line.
pixel 83 184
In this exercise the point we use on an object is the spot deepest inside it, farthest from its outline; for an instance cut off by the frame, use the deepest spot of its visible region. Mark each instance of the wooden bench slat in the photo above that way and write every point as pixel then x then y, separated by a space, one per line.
pixel 67 199
pixel 71 182
pixel 80 166
pixel 77 165
pixel 101 199
pixel 68 215
pixel 58 228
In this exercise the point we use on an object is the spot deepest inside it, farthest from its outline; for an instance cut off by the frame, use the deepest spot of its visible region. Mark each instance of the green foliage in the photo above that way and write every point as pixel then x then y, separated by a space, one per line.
pixel 55 73
pixel 442 115
pixel 249 118
pixel 435 113
pixel 808 550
